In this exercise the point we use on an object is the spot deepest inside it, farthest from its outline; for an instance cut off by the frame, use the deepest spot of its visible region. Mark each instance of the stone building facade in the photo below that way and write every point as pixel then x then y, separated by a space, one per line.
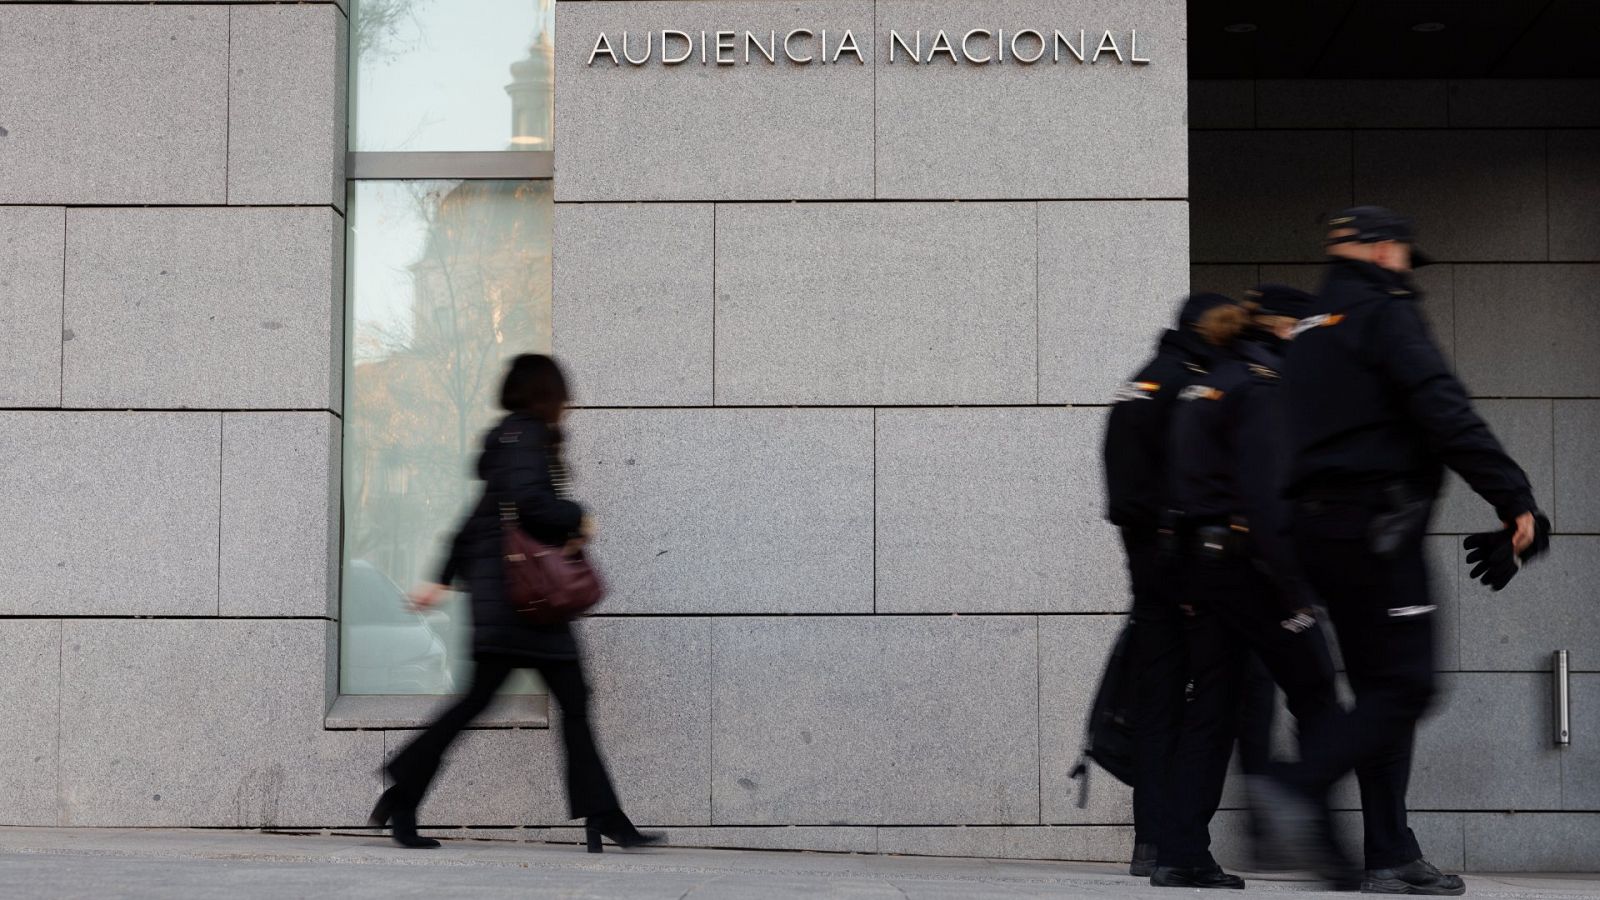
pixel 843 334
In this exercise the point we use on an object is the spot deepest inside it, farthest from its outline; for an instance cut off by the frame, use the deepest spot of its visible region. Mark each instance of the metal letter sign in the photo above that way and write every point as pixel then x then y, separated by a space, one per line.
pixel 804 46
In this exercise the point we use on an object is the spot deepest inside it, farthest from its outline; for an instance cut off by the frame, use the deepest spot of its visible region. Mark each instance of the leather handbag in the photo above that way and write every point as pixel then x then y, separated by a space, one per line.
pixel 543 583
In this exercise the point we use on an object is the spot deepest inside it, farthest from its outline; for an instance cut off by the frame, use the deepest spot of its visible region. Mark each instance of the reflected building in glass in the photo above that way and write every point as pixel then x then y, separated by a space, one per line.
pixel 448 280
pixel 533 91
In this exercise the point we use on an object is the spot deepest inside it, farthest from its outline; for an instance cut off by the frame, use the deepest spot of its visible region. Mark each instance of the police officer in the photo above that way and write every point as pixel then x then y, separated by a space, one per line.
pixel 1374 417
pixel 1136 483
pixel 1241 582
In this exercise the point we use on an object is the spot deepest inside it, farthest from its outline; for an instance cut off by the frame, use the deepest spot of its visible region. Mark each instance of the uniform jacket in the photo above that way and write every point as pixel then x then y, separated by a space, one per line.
pixel 515 468
pixel 1229 451
pixel 1135 448
pixel 1371 399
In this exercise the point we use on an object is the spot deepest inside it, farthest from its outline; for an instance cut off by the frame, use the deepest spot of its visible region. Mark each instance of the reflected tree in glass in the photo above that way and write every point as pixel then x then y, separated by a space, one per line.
pixel 449 280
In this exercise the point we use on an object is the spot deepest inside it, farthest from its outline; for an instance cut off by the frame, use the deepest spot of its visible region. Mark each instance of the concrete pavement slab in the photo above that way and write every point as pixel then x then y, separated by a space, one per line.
pixel 136 863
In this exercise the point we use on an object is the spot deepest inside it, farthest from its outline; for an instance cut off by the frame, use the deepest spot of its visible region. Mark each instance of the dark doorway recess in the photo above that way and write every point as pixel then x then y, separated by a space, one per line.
pixel 1394 38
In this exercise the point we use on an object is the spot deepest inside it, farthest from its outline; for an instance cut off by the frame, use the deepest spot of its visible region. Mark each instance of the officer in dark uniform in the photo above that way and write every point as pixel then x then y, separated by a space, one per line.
pixel 1137 483
pixel 1375 415
pixel 1240 578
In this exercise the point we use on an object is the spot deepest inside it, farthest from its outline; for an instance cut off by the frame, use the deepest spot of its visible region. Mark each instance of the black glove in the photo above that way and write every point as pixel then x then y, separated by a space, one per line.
pixel 1491 557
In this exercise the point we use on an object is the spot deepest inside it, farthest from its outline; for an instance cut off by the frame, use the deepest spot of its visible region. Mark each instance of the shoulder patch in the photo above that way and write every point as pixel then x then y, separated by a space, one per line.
pixel 1325 320
pixel 1200 392
pixel 1263 372
pixel 1136 390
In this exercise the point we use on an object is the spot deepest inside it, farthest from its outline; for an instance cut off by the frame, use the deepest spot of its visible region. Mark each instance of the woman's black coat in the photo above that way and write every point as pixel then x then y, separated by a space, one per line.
pixel 515 468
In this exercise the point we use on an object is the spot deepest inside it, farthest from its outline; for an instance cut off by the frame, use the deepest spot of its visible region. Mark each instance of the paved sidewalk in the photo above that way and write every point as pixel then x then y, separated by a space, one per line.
pixel 117 863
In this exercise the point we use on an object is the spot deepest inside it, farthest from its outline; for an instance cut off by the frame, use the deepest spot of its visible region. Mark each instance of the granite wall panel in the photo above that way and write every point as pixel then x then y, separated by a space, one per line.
pixel 1549 606
pixel 1022 531
pixel 1452 182
pixel 114 104
pixel 1527 330
pixel 280 514
pixel 1532 842
pixel 109 514
pixel 651 680
pixel 225 308
pixel 492 777
pixel 1351 103
pixel 877 304
pixel 633 315
pixel 729 510
pixel 1575 503
pixel 1222 103
pixel 1104 294
pixel 1265 196
pixel 286 104
pixel 30 664
pixel 1072 654
pixel 875 720
pixel 1504 718
pixel 32 241
pixel 782 130
pixel 1574 195
pixel 1524 103
pixel 206 723
pixel 1105 128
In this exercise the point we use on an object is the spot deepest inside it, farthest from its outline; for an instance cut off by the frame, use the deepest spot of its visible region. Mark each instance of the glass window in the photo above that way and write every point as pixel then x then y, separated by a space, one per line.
pixel 432 75
pixel 447 280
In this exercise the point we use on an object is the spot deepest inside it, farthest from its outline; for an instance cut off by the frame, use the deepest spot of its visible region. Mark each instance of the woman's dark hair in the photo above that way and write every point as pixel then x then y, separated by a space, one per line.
pixel 536 386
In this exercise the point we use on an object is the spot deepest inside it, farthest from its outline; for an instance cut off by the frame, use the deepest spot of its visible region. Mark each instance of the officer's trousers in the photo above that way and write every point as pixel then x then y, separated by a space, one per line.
pixel 1384 621
pixel 1237 616
pixel 1160 665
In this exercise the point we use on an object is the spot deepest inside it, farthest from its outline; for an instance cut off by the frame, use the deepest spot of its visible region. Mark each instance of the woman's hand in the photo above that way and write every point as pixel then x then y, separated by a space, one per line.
pixel 426 596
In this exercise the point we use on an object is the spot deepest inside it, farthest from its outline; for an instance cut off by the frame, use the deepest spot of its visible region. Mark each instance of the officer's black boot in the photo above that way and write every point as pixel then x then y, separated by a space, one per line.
pixel 1143 864
pixel 1416 877
pixel 1210 876
pixel 1295 831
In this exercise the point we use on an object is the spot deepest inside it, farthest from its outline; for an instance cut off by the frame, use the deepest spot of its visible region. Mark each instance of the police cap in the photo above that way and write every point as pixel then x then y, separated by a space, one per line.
pixel 1281 300
pixel 1371 224
pixel 1197 305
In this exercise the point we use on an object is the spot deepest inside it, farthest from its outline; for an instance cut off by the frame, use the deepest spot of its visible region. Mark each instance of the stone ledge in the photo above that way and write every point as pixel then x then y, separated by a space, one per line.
pixel 410 711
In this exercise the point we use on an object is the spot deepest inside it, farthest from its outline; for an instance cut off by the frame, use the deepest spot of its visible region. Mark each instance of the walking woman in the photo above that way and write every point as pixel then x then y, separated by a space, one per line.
pixel 521 467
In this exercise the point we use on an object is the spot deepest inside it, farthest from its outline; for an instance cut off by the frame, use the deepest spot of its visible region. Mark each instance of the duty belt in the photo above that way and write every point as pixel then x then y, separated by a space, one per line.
pixel 1215 537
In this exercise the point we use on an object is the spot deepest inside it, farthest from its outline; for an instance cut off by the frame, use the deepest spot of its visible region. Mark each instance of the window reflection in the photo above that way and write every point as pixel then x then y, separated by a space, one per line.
pixel 452 75
pixel 448 280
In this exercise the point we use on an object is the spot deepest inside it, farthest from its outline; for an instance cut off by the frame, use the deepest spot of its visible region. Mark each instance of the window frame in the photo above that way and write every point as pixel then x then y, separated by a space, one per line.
pixel 409 711
pixel 436 165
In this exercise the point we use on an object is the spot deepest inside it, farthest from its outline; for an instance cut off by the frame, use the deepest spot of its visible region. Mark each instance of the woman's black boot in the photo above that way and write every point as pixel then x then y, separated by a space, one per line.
pixel 395 809
pixel 617 827
pixel 403 829
pixel 384 808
